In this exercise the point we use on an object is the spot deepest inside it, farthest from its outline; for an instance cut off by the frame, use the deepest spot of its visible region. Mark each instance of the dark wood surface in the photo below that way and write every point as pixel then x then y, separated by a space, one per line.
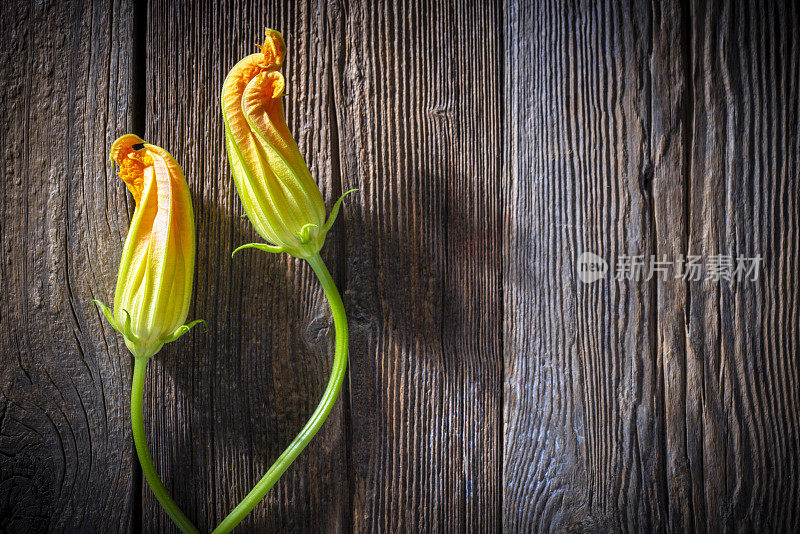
pixel 488 389
pixel 66 87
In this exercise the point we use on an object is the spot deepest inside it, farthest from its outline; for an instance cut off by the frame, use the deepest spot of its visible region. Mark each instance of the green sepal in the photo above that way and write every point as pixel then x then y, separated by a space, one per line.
pixel 109 314
pixel 183 329
pixel 127 331
pixel 260 246
pixel 305 233
pixel 335 211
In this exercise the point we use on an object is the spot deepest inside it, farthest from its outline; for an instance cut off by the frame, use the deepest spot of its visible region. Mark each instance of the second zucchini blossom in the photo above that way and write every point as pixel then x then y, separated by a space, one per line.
pixel 276 188
pixel 154 285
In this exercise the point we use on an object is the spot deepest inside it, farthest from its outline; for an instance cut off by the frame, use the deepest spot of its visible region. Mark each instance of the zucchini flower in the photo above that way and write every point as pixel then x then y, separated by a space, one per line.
pixel 285 205
pixel 154 284
pixel 276 188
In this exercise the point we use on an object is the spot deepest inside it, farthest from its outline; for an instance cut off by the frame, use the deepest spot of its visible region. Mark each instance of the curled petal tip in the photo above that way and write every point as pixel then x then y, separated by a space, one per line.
pixel 123 144
pixel 127 153
pixel 273 49
pixel 277 83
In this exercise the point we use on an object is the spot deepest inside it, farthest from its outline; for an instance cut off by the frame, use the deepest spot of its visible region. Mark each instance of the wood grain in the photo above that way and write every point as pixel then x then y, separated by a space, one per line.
pixel 583 398
pixel 489 388
pixel 418 108
pixel 670 130
pixel 742 368
pixel 671 107
pixel 66 92
pixel 223 405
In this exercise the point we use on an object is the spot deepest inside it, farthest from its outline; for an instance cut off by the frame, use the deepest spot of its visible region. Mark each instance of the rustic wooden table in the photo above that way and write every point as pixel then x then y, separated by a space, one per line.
pixel 489 388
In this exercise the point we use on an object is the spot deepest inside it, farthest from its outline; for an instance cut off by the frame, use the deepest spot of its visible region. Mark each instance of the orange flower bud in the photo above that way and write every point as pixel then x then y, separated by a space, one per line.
pixel 154 285
pixel 276 188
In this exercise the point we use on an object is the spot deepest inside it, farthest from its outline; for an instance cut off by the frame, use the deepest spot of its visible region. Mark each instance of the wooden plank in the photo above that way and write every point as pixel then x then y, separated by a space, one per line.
pixel 418 106
pixel 65 443
pixel 717 438
pixel 584 441
pixel 223 405
pixel 670 149
pixel 742 376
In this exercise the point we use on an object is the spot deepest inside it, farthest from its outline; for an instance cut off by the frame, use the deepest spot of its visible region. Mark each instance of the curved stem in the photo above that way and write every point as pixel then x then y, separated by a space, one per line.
pixel 319 415
pixel 139 439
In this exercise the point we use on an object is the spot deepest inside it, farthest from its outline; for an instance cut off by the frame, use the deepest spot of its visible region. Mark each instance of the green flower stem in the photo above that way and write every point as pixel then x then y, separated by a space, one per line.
pixel 319 415
pixel 139 439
